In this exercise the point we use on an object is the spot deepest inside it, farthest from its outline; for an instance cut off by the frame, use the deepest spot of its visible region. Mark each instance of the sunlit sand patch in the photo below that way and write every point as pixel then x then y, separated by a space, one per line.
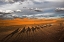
pixel 26 21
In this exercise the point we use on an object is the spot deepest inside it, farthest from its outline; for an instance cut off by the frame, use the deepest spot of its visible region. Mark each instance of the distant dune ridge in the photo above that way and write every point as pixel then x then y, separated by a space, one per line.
pixel 18 21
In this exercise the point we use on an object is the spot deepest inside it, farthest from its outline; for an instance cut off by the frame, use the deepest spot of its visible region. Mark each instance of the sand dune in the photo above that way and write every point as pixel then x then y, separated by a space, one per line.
pixel 25 21
pixel 27 30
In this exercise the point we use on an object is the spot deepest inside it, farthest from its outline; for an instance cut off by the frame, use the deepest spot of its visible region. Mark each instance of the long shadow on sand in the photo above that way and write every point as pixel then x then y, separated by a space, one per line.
pixel 26 33
pixel 9 36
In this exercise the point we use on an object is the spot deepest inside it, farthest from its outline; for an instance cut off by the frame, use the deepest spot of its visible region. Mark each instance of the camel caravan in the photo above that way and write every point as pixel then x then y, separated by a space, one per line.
pixel 27 30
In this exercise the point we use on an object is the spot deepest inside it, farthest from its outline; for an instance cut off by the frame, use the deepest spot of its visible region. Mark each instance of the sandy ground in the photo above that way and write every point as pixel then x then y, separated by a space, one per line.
pixel 32 30
pixel 25 21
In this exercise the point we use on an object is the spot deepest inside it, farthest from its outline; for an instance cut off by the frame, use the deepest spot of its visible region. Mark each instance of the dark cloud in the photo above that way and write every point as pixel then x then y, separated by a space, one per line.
pixel 12 1
pixel 9 16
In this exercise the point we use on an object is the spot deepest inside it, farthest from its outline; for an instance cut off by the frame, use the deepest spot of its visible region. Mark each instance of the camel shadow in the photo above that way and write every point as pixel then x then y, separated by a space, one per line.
pixel 28 30
pixel 33 29
pixel 21 32
pixel 9 36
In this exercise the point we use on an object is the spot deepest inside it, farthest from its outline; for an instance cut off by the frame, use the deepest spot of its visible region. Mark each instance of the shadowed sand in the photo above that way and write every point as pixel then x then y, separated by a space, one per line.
pixel 34 30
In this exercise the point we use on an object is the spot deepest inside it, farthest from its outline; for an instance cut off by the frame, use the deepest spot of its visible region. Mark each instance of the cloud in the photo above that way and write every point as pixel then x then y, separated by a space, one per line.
pixel 31 3
pixel 9 11
pixel 9 16
pixel 12 1
pixel 6 12
pixel 17 11
pixel 55 0
pixel 44 14
pixel 45 5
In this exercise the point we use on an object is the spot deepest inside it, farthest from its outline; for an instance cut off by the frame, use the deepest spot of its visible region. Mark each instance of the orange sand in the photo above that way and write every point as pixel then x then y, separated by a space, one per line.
pixel 25 21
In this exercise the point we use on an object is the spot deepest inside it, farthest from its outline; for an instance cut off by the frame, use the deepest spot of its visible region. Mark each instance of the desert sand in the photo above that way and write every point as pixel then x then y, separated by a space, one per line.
pixel 32 30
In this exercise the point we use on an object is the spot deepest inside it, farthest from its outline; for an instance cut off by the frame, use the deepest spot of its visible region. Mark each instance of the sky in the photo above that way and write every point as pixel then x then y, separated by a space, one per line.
pixel 45 5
